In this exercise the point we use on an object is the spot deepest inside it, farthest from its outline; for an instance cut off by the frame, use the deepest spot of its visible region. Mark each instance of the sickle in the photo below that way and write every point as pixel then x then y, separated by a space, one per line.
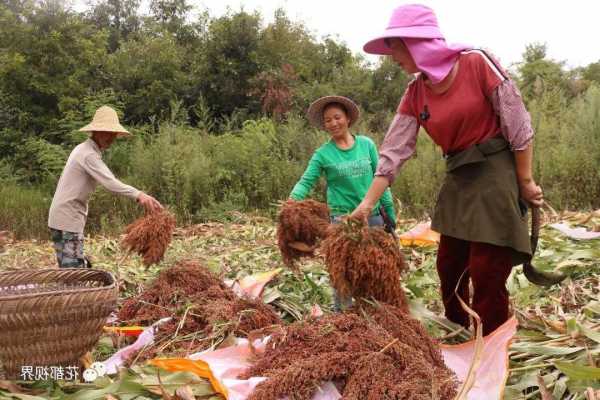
pixel 541 278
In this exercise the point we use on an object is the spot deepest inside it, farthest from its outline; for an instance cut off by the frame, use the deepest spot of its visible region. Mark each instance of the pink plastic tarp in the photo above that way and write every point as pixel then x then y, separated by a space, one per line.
pixel 227 363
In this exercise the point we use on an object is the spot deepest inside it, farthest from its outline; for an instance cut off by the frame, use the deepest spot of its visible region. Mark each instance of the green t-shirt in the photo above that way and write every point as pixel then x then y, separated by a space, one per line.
pixel 349 174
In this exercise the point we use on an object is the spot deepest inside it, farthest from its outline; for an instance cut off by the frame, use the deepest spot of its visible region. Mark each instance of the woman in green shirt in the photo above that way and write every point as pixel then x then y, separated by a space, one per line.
pixel 348 162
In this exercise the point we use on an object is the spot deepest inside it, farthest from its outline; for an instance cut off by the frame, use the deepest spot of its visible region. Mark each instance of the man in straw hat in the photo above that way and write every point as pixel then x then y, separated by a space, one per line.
pixel 82 173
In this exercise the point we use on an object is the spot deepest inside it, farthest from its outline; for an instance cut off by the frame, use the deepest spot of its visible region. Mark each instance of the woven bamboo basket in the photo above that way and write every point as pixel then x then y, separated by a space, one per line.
pixel 52 317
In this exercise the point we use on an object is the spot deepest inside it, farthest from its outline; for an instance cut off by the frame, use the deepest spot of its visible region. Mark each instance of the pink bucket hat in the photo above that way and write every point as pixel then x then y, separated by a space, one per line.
pixel 407 21
pixel 418 27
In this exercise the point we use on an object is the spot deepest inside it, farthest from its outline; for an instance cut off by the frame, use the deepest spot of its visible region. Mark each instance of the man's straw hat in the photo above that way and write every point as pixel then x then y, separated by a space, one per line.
pixel 105 120
pixel 315 111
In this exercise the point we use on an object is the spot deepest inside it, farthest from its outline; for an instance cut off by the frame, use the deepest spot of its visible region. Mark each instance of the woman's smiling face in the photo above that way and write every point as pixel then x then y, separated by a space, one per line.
pixel 335 120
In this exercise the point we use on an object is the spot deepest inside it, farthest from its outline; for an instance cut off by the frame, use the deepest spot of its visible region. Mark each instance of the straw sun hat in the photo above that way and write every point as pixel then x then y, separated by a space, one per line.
pixel 105 120
pixel 315 111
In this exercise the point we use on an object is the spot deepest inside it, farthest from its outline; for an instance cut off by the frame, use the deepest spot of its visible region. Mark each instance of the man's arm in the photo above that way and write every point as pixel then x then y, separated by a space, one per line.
pixel 98 170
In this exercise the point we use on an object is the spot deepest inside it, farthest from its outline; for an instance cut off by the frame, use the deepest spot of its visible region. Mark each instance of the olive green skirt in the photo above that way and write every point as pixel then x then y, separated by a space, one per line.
pixel 479 199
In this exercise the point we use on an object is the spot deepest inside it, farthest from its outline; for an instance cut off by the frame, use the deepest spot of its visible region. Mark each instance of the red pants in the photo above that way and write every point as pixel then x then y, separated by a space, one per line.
pixel 488 266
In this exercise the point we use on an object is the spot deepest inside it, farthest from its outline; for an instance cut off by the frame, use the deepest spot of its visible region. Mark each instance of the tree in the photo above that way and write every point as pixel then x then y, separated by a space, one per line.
pixel 148 74
pixel 538 73
pixel 591 73
pixel 276 90
pixel 53 58
pixel 230 61
pixel 389 82
pixel 286 42
pixel 119 17
pixel 171 16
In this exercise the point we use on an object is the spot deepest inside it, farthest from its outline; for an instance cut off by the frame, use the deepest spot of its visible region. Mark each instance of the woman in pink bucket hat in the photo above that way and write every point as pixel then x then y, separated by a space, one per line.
pixel 469 106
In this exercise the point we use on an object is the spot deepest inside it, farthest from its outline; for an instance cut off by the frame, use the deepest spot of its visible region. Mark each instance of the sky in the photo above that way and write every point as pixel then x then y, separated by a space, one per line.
pixel 570 29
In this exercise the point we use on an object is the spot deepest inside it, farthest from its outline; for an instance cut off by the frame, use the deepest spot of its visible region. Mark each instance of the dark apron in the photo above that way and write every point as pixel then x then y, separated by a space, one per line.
pixel 479 199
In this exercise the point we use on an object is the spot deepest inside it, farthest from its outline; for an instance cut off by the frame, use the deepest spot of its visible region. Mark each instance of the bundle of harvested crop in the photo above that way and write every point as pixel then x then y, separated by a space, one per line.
pixel 364 359
pixel 150 235
pixel 364 262
pixel 301 225
pixel 203 309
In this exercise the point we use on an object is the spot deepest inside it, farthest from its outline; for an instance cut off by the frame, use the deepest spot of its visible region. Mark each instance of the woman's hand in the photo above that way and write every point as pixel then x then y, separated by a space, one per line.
pixel 531 193
pixel 362 212
pixel 365 208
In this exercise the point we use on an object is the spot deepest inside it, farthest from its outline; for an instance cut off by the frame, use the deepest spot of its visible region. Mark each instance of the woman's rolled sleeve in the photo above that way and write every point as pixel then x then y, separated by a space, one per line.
pixel 515 121
pixel 398 146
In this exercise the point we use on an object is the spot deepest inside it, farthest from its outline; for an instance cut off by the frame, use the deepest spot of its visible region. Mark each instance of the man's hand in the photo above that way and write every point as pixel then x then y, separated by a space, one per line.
pixel 532 193
pixel 149 202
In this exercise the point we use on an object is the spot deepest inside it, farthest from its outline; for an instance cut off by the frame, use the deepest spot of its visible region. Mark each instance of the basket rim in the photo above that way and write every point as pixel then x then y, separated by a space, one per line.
pixel 83 290
pixel 56 293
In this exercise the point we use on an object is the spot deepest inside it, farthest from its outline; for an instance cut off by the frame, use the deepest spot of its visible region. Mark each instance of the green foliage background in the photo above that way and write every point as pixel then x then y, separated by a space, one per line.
pixel 216 106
